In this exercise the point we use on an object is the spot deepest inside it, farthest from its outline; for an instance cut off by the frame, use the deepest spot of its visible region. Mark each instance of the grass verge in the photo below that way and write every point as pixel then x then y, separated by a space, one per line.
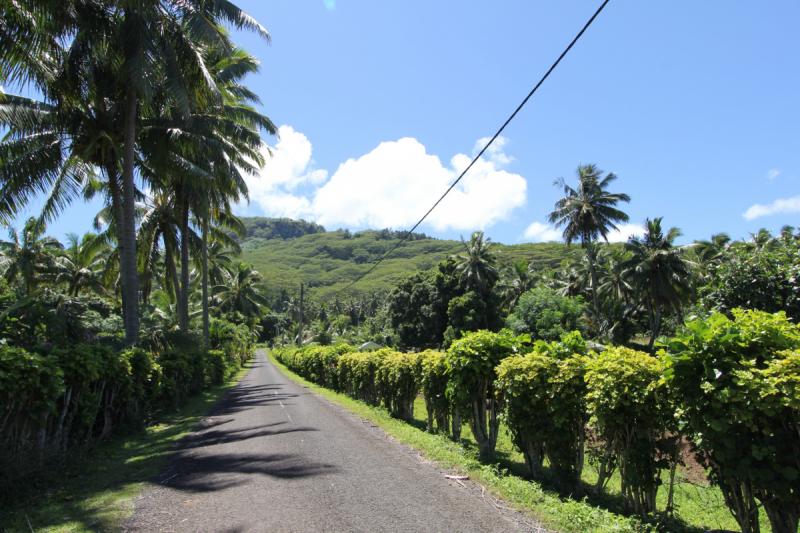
pixel 553 511
pixel 94 492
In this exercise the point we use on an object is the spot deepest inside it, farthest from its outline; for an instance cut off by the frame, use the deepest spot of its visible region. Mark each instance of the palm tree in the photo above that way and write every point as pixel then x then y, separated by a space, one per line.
pixel 588 212
pixel 659 270
pixel 613 284
pixel 97 89
pixel 519 278
pixel 29 255
pixel 478 265
pixel 82 265
pixel 243 294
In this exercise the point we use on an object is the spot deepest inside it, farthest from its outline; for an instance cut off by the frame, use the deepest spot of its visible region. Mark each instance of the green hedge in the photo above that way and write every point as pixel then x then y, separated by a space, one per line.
pixel 737 385
pixel 731 386
pixel 67 398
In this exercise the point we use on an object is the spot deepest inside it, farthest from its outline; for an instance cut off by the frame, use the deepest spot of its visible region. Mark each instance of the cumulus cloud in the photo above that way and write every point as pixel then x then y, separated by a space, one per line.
pixel 625 231
pixel 391 186
pixel 782 205
pixel 289 167
pixel 539 232
pixel 772 174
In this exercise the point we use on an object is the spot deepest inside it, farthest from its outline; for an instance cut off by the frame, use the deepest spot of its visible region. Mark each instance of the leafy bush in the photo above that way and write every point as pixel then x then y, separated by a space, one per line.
pixel 767 279
pixel 357 374
pixel 547 315
pixel 434 381
pixel 545 394
pixel 632 414
pixel 472 361
pixel 61 399
pixel 737 384
pixel 398 380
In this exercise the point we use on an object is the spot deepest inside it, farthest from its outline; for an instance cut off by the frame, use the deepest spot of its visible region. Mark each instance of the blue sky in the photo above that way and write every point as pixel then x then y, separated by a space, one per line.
pixel 694 105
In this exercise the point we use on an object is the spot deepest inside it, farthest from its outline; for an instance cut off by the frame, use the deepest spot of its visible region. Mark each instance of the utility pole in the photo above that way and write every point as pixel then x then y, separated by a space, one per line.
pixel 300 329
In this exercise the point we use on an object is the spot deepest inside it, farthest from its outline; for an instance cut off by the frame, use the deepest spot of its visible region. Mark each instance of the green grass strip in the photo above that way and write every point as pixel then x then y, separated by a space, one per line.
pixel 95 492
pixel 550 509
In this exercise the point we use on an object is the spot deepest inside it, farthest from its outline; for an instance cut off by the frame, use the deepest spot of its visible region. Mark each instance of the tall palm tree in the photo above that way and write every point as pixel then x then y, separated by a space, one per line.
pixel 125 55
pixel 660 270
pixel 588 212
pixel 478 265
pixel 29 255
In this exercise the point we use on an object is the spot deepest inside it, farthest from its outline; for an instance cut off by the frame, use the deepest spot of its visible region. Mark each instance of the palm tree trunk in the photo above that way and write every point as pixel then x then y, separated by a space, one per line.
pixel 148 288
pixel 169 259
pixel 205 285
pixel 184 292
pixel 656 323
pixel 126 234
pixel 589 254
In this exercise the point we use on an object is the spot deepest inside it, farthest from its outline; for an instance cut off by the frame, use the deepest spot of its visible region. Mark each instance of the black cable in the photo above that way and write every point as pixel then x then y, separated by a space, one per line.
pixel 482 151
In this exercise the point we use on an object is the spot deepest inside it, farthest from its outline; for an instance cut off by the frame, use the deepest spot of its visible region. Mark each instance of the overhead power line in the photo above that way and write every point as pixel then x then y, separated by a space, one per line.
pixel 496 135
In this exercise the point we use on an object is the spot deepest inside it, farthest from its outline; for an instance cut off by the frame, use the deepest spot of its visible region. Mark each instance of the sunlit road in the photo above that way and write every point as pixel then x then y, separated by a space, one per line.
pixel 273 457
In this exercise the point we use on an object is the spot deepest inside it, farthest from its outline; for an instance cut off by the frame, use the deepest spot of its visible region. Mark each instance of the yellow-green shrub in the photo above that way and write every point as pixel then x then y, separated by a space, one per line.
pixel 357 373
pixel 434 381
pixel 398 381
pixel 545 393
pixel 632 413
pixel 472 361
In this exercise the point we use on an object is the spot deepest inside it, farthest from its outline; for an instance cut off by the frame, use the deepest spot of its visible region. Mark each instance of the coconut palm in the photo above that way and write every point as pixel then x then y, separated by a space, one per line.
pixel 29 255
pixel 82 265
pixel 588 212
pixel 97 88
pixel 660 270
pixel 242 294
pixel 478 266
pixel 612 281
pixel 519 278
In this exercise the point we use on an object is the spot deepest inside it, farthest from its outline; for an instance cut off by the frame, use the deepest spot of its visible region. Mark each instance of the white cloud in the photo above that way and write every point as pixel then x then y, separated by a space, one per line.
pixel 539 232
pixel 782 205
pixel 772 174
pixel 290 166
pixel 624 231
pixel 495 152
pixel 392 186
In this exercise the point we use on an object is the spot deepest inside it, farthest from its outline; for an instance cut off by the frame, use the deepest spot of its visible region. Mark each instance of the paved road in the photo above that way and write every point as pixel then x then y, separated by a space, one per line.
pixel 273 457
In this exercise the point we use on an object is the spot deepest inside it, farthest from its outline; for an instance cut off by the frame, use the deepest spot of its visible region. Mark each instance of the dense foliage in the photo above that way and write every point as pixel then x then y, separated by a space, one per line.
pixel 545 393
pixel 546 314
pixel 764 277
pixel 737 385
pixel 56 400
pixel 473 360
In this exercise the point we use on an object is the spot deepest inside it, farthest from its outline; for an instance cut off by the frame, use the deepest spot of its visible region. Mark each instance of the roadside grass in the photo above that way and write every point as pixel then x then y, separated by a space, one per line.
pixel 699 506
pixel 553 511
pixel 94 492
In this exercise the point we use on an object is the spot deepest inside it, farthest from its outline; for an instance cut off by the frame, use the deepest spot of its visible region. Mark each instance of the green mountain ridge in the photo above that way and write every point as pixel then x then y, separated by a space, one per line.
pixel 327 261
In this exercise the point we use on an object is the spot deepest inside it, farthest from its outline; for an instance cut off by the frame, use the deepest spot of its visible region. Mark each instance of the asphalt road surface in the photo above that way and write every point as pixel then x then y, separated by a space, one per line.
pixel 273 457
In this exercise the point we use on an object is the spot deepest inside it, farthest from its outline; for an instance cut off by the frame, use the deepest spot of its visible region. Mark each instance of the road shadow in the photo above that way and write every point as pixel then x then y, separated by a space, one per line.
pixel 211 473
pixel 215 437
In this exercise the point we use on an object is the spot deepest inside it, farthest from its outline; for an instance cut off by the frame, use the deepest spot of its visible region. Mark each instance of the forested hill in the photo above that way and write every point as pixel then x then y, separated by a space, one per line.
pixel 328 261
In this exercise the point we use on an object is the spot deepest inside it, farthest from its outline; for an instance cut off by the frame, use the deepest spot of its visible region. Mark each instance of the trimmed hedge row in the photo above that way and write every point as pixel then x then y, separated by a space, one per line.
pixel 731 386
pixel 378 377
pixel 70 397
